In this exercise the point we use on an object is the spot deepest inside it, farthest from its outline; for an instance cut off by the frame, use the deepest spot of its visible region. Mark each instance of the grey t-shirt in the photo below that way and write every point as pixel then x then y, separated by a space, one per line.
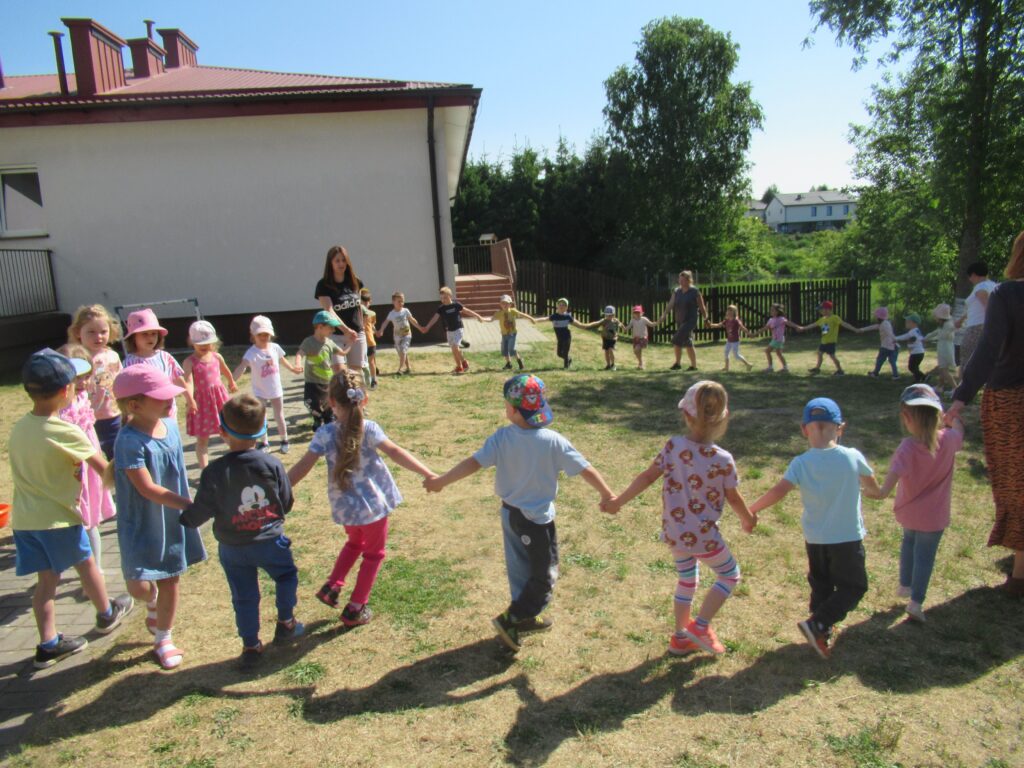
pixel 684 306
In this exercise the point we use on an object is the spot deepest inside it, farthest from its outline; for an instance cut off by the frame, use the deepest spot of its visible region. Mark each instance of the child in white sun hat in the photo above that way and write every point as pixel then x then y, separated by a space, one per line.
pixel 203 370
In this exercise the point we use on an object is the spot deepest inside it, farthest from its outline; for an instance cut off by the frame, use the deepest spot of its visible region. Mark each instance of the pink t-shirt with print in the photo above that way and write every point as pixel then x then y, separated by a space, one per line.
pixel 777 325
pixel 695 477
pixel 926 482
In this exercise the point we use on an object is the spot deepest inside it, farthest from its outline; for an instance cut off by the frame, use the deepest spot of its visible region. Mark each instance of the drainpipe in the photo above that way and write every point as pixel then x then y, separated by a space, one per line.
pixel 58 51
pixel 434 197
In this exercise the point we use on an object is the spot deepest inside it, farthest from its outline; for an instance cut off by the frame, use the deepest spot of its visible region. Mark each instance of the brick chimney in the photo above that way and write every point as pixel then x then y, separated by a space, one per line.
pixel 181 51
pixel 97 53
pixel 147 57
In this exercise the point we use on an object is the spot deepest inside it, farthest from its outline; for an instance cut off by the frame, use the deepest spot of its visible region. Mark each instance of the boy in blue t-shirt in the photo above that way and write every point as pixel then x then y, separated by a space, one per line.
pixel 527 457
pixel 830 478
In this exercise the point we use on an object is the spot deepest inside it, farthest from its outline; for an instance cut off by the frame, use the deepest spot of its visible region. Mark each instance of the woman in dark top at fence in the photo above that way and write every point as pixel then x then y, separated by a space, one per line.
pixel 686 303
pixel 998 364
pixel 338 293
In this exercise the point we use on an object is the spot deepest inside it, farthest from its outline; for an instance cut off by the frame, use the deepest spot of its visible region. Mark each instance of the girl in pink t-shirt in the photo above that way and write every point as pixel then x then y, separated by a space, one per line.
pixel 776 325
pixel 921 470
pixel 698 478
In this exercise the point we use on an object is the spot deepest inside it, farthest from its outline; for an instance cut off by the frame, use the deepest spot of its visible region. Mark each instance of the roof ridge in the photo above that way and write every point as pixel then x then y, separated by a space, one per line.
pixel 301 74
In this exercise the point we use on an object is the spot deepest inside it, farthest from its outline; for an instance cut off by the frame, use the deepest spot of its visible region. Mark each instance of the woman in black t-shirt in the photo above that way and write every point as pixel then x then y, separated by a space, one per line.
pixel 338 293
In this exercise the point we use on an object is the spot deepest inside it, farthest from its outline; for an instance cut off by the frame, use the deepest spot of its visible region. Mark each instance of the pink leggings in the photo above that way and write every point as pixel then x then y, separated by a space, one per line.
pixel 370 542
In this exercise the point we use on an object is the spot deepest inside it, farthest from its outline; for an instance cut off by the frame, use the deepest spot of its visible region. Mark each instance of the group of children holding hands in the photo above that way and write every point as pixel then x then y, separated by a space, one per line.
pixel 88 410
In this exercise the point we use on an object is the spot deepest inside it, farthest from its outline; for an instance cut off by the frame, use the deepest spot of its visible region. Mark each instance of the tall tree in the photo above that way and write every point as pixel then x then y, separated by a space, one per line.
pixel 963 93
pixel 683 128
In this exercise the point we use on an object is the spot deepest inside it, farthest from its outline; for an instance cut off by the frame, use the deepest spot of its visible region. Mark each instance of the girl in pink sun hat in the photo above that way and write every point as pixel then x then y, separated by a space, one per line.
pixel 144 341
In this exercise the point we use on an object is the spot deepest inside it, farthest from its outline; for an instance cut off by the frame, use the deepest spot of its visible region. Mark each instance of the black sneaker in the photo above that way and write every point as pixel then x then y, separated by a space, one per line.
pixel 818 638
pixel 520 361
pixel 285 447
pixel 536 624
pixel 66 646
pixel 373 383
pixel 286 631
pixel 508 366
pixel 120 607
pixel 328 595
pixel 507 630
pixel 351 617
pixel 251 658
pixel 692 368
pixel 675 367
pixel 568 362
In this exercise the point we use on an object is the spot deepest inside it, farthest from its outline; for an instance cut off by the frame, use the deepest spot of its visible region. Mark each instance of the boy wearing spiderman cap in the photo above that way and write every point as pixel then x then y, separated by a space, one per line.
pixel 247 493
pixel 527 457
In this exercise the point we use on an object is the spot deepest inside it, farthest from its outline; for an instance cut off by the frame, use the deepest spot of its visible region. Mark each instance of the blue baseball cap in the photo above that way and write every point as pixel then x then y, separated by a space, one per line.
pixel 822 409
pixel 323 317
pixel 47 371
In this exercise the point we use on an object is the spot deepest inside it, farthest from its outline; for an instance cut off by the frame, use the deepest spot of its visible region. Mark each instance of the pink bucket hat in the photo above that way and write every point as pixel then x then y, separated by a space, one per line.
pixel 145 380
pixel 639 309
pixel 882 313
pixel 144 320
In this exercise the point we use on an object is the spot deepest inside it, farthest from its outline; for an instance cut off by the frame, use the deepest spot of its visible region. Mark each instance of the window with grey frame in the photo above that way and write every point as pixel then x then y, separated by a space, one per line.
pixel 21 203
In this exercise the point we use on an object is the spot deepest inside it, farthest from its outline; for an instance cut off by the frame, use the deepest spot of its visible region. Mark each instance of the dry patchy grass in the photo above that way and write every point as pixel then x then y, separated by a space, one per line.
pixel 426 683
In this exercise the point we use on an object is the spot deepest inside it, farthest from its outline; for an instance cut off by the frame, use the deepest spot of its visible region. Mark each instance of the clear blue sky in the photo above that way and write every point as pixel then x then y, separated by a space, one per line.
pixel 541 65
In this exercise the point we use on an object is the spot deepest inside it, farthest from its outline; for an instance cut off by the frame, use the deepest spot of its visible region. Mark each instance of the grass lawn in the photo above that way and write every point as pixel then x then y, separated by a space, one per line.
pixel 427 683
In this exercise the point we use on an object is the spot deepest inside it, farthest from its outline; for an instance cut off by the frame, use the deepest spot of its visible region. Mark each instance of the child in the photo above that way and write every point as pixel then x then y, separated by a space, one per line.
pixel 733 325
pixel 263 359
pixel 888 349
pixel 203 371
pixel 638 330
pixel 923 468
pixel 562 320
pixel 319 357
pixel 247 494
pixel 450 313
pixel 776 325
pixel 403 321
pixel 95 329
pixel 145 344
pixel 528 458
pixel 830 478
pixel 610 327
pixel 945 351
pixel 699 477
pixel 361 490
pixel 95 504
pixel 915 345
pixel 507 319
pixel 152 484
pixel 829 324
pixel 369 324
pixel 46 456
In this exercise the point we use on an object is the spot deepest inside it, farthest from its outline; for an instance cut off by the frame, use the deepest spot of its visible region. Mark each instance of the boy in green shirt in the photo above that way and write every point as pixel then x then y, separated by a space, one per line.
pixel 320 358
pixel 46 457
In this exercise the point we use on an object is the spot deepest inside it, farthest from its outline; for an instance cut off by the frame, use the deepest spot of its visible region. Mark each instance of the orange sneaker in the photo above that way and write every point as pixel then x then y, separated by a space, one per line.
pixel 705 638
pixel 681 646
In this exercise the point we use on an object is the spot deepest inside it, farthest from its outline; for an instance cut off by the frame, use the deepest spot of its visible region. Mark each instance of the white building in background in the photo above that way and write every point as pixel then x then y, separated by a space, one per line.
pixel 174 180
pixel 810 211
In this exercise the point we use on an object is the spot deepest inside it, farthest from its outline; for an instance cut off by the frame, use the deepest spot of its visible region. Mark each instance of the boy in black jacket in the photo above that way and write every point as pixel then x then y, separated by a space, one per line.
pixel 247 494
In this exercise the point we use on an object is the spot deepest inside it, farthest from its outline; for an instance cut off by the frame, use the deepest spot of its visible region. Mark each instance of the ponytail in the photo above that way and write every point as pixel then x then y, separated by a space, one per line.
pixel 346 392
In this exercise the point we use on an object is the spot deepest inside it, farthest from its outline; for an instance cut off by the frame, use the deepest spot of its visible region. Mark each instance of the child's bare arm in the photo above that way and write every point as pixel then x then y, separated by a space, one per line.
pixel 429 325
pixel 185 382
pixel 239 371
pixel 587 325
pixel 594 480
pixel 471 313
pixel 289 365
pixel 98 462
pixel 869 486
pixel 301 468
pixel 640 483
pixel 142 481
pixel 460 471
pixel 226 373
pixel 739 506
pixel 883 493
pixel 772 497
pixel 849 327
pixel 404 459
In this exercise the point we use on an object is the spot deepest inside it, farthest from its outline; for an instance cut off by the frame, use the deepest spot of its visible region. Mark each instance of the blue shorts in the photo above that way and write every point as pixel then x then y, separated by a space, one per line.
pixel 55 549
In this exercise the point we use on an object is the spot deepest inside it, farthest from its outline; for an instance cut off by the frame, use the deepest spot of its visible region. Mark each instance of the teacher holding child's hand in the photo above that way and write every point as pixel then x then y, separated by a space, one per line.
pixel 686 304
pixel 338 293
pixel 998 364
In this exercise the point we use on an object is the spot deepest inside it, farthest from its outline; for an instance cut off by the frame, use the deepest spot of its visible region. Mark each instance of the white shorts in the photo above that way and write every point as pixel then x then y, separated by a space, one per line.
pixel 455 337
pixel 402 344
pixel 732 347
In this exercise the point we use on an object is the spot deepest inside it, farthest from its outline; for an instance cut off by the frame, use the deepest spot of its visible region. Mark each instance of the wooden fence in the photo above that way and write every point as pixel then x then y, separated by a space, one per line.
pixel 540 284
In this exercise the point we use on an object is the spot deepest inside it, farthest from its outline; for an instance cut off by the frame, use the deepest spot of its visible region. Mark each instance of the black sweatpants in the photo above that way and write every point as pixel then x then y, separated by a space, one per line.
pixel 838 577
pixel 564 338
pixel 531 556
pixel 314 397
pixel 914 365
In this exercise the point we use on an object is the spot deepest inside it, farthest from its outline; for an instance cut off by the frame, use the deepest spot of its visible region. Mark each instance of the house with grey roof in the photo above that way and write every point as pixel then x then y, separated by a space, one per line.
pixel 809 211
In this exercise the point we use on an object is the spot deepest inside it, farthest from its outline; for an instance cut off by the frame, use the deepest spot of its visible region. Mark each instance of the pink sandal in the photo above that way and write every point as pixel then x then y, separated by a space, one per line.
pixel 168 654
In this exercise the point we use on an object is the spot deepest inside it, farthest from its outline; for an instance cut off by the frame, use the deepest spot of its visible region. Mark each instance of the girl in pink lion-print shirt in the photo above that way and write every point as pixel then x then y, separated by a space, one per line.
pixel 698 479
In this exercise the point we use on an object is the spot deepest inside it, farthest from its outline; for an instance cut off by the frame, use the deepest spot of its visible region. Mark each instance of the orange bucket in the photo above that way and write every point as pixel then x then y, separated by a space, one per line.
pixel 5 515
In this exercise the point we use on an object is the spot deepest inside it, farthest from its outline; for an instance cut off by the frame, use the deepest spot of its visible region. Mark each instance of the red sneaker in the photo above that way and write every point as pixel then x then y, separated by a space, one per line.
pixel 681 647
pixel 818 640
pixel 465 364
pixel 705 638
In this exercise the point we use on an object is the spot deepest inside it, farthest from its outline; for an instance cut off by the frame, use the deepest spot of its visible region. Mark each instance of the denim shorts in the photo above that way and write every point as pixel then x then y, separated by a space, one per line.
pixel 55 549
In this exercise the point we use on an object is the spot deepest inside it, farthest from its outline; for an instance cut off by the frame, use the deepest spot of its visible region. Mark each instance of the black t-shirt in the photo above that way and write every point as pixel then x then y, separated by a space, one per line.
pixel 247 494
pixel 451 315
pixel 345 302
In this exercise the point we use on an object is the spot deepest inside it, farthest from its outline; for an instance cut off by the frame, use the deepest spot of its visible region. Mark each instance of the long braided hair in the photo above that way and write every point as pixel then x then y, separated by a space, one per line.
pixel 347 393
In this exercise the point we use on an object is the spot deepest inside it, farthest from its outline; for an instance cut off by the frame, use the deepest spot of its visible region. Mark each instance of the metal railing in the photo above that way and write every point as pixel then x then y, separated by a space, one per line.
pixel 26 282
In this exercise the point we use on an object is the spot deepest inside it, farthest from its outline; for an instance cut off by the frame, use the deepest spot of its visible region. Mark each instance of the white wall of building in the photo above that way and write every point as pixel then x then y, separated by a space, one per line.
pixel 238 212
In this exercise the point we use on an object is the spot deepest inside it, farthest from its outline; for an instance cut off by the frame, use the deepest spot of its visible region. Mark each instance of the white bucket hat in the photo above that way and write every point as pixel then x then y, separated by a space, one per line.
pixel 261 324
pixel 202 332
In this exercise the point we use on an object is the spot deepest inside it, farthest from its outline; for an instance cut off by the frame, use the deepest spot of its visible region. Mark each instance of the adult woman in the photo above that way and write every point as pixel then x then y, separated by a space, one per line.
pixel 974 321
pixel 686 303
pixel 998 363
pixel 338 293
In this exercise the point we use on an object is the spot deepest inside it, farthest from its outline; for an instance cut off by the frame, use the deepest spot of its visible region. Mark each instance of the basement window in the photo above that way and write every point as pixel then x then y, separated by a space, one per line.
pixel 21 204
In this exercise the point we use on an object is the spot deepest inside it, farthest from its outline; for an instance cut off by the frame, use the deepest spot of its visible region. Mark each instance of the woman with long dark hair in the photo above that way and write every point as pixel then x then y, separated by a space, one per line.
pixel 338 293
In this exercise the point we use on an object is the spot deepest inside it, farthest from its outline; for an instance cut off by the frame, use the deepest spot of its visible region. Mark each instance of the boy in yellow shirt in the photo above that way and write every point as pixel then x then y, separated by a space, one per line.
pixel 829 324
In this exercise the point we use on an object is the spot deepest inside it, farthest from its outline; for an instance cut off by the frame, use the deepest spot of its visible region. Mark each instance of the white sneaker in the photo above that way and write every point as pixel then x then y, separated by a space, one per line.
pixel 902 592
pixel 916 612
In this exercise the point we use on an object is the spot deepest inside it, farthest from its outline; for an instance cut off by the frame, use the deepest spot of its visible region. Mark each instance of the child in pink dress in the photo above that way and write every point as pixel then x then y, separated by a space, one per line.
pixel 144 344
pixel 203 370
pixel 95 502
pixel 94 328
pixel 922 466
pixel 698 478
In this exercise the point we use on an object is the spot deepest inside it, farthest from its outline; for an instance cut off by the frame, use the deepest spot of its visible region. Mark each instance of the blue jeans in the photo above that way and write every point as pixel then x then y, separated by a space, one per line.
pixel 508 345
pixel 884 355
pixel 531 559
pixel 241 566
pixel 917 558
